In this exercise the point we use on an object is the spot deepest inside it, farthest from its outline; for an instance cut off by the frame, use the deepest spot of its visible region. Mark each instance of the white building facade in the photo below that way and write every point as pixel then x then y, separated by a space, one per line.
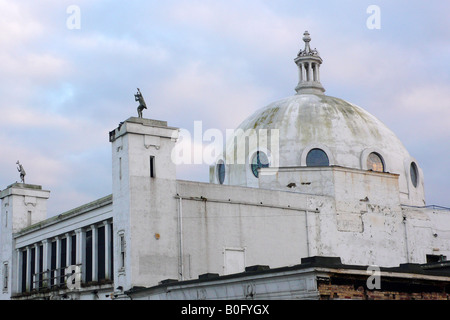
pixel 336 182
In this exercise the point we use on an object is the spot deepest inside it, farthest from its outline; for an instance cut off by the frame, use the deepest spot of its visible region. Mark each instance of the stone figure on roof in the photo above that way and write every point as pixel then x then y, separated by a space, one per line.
pixel 138 97
pixel 21 171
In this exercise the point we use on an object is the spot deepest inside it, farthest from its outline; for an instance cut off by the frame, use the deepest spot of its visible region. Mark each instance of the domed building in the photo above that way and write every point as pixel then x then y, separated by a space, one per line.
pixel 310 193
pixel 316 130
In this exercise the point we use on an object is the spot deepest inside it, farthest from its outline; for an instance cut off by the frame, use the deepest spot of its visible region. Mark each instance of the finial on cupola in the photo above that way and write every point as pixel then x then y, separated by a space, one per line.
pixel 308 62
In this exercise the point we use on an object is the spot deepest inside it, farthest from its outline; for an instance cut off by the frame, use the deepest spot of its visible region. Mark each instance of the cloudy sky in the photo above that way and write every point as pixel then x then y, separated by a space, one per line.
pixel 68 77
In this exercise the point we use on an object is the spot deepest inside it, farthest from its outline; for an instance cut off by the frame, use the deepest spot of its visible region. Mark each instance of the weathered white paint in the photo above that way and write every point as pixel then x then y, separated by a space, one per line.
pixel 346 132
pixel 21 206
pixel 144 206
pixel 352 213
pixel 174 229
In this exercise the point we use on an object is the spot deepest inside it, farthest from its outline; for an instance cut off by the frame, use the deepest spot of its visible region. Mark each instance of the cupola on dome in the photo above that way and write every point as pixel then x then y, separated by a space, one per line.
pixel 316 130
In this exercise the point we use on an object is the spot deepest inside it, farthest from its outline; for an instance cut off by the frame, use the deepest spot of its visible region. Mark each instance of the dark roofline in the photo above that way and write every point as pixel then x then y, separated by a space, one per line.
pixel 441 269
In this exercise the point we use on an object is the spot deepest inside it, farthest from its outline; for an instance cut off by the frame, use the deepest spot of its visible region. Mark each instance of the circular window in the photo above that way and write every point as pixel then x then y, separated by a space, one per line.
pixel 375 162
pixel 220 169
pixel 317 158
pixel 259 160
pixel 414 174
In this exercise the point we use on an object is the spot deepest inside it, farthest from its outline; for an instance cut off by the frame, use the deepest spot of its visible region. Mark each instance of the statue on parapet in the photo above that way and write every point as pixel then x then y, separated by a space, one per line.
pixel 21 171
pixel 138 97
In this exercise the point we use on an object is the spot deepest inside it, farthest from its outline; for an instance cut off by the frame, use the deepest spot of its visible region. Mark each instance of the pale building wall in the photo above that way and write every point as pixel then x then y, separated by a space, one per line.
pixel 179 229
pixel 269 227
pixel 46 231
pixel 351 213
pixel 144 206
pixel 357 220
pixel 22 205
pixel 427 232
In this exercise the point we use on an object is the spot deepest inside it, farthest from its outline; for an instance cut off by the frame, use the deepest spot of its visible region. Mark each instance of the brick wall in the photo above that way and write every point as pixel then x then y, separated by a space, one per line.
pixel 348 291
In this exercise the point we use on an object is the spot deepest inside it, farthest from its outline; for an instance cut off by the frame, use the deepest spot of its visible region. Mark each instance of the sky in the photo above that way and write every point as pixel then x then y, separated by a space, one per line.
pixel 69 71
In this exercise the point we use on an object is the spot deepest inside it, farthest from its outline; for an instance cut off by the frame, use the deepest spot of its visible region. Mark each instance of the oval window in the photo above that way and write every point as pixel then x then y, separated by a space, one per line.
pixel 414 174
pixel 375 162
pixel 259 160
pixel 220 172
pixel 317 158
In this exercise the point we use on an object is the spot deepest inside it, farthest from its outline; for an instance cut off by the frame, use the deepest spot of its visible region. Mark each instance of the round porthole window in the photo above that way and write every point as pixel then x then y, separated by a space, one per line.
pixel 414 173
pixel 220 172
pixel 375 162
pixel 317 158
pixel 259 160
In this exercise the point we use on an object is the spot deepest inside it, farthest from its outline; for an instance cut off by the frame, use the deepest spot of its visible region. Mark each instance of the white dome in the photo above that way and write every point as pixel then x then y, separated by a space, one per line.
pixel 345 134
pixel 341 129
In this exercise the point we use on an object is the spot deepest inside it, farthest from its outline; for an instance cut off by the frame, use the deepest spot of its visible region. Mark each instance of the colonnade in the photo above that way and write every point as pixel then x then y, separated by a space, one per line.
pixel 87 251
pixel 309 71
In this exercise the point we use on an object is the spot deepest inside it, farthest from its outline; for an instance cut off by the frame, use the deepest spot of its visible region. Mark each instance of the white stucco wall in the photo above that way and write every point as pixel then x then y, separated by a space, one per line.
pixel 143 205
pixel 22 205
pixel 180 229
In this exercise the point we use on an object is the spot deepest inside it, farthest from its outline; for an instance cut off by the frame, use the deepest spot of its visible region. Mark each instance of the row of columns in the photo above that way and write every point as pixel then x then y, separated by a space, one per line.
pixel 309 71
pixel 32 280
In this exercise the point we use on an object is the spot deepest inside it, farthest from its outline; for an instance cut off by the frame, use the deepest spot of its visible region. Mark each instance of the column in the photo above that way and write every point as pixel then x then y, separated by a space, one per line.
pixel 309 72
pixel 35 277
pixel 318 71
pixel 28 271
pixel 300 73
pixel 107 249
pixel 81 251
pixel 68 249
pixel 57 274
pixel 46 262
pixel 314 68
pixel 94 253
pixel 305 71
pixel 19 271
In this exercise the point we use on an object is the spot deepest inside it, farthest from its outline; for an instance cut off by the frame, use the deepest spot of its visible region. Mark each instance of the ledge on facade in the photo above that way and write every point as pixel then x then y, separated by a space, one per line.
pixel 208 276
pixel 163 282
pixel 332 167
pixel 441 266
pixel 24 189
pixel 321 261
pixel 62 289
pixel 96 283
pixel 429 207
pixel 24 186
pixel 257 267
pixel 435 272
pixel 68 214
pixel 114 134
pixel 147 122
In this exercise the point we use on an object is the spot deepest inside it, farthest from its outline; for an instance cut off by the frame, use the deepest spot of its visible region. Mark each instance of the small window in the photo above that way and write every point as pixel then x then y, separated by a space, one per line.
pixel 220 172
pixel 29 218
pixel 5 276
pixel 317 158
pixel 414 174
pixel 375 162
pixel 120 168
pixel 259 160
pixel 122 250
pixel 152 166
